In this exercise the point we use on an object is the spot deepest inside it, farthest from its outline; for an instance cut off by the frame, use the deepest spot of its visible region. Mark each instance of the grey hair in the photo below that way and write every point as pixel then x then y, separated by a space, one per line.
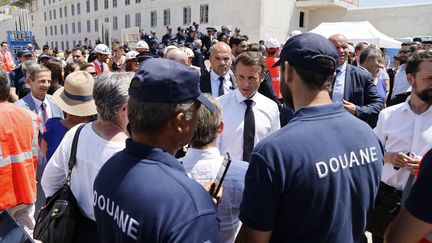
pixel 110 92
pixel 26 66
pixel 149 117
pixel 369 52
pixel 35 69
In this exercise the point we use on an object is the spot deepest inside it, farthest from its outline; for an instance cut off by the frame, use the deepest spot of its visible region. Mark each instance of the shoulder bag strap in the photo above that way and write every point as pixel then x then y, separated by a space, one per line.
pixel 72 158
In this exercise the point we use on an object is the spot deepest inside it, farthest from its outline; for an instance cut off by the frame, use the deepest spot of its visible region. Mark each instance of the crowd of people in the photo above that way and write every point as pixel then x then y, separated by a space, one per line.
pixel 326 141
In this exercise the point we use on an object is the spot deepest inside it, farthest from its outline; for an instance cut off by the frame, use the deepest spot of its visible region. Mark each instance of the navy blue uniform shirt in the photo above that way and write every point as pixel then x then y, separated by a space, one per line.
pixel 142 194
pixel 419 201
pixel 314 180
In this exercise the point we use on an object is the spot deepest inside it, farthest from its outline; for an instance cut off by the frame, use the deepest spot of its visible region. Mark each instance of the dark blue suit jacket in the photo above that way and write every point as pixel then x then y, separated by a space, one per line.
pixel 361 91
pixel 205 84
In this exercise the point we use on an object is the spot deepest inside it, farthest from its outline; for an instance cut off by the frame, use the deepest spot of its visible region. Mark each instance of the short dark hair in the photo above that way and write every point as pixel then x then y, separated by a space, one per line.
pixel 3 42
pixel 412 66
pixel 315 80
pixel 4 86
pixel 250 58
pixel 208 124
pixel 236 40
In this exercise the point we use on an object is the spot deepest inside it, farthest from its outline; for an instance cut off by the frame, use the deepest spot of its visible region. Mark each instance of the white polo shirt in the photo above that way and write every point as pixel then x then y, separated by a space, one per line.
pixel 266 114
pixel 401 130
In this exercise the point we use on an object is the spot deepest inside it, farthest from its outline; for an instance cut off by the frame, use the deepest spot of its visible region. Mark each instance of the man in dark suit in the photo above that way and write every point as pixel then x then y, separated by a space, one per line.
pixel 354 87
pixel 220 80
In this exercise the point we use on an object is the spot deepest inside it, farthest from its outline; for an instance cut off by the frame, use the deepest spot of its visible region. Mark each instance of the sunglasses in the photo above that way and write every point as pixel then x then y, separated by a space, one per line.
pixel 94 74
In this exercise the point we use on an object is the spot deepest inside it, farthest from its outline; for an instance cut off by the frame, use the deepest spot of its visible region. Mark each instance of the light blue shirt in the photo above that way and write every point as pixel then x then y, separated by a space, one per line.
pixel 339 84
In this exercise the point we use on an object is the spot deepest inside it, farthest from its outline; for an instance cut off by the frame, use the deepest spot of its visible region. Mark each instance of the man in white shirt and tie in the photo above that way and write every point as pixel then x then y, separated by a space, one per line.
pixel 220 79
pixel 248 115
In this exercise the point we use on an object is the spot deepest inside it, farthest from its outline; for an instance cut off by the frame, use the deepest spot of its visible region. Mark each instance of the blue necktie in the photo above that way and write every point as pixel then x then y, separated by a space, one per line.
pixel 248 130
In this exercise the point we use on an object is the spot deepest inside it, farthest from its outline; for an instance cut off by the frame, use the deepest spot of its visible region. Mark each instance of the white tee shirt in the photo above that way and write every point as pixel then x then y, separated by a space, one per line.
pixel 92 153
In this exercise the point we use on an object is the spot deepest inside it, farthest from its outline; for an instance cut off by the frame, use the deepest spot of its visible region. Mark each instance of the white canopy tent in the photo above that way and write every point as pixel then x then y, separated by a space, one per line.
pixel 357 32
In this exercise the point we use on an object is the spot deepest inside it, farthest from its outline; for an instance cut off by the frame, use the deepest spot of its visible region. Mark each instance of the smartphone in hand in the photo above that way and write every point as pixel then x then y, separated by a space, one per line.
pixel 222 173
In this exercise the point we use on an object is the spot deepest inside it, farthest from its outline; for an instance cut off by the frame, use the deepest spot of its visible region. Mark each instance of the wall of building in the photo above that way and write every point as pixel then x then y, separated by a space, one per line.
pixel 395 21
pixel 279 18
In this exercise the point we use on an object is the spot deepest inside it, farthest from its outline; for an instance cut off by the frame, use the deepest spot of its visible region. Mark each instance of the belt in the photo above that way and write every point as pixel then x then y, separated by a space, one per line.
pixel 390 189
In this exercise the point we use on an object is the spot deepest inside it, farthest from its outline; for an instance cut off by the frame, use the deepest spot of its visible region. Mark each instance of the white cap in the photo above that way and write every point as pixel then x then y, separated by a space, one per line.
pixel 142 44
pixel 295 32
pixel 103 49
pixel 272 43
pixel 168 48
pixel 351 48
pixel 131 55
pixel 188 51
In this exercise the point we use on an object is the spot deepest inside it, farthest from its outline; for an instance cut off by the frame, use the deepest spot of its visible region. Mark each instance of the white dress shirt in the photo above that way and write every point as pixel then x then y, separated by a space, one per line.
pixel 401 130
pixel 339 84
pixel 266 114
pixel 214 82
pixel 401 84
pixel 203 165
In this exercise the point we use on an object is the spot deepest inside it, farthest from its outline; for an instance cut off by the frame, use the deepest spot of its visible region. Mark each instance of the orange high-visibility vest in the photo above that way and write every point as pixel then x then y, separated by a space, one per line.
pixel 19 130
pixel 7 61
pixel 98 68
pixel 274 73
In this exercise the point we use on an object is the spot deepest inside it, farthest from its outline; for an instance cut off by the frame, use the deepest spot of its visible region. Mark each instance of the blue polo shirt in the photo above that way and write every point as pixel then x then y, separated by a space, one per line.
pixel 420 199
pixel 314 180
pixel 142 194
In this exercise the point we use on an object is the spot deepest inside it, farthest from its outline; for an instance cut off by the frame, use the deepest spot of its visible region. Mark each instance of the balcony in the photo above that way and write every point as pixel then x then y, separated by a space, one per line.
pixel 316 4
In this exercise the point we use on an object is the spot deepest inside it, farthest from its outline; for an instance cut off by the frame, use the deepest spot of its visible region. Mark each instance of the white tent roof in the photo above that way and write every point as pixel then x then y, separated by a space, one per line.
pixel 357 32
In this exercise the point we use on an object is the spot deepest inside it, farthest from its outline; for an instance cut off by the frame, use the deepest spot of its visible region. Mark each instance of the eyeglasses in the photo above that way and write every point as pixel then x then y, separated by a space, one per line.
pixel 115 50
pixel 76 56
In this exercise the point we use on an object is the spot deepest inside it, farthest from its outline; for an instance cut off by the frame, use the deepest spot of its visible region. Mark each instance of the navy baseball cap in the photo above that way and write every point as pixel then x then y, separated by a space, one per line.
pixel 22 53
pixel 165 81
pixel 306 50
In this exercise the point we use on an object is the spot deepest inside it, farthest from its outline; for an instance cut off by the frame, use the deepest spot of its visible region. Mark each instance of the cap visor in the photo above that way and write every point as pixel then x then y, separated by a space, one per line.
pixel 278 63
pixel 207 103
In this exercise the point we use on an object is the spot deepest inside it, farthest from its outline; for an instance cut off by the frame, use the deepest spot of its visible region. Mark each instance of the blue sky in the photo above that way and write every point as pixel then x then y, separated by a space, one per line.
pixel 371 3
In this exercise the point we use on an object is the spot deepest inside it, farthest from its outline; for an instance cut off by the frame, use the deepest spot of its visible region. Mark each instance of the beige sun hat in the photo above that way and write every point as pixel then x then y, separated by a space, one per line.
pixel 76 97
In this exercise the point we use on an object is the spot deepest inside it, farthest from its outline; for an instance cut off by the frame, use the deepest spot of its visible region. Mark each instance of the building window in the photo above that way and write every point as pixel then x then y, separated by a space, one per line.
pixel 73 28
pixel 96 22
pixel 60 12
pixel 51 30
pixel 137 1
pixel 96 5
pixel 65 11
pixel 106 20
pixel 187 15
pixel 153 19
pixel 55 29
pixel 66 29
pixel 74 43
pixel 106 4
pixel 127 2
pixel 54 14
pixel 44 2
pixel 79 27
pixel 50 14
pixel 127 20
pixel 114 3
pixel 61 29
pixel 204 13
pixel 62 45
pixel 167 17
pixel 44 16
pixel 56 44
pixel 88 6
pixel 114 22
pixel 72 9
pixel 301 19
pixel 67 45
pixel 78 8
pixel 88 26
pixel 138 19
pixel 46 31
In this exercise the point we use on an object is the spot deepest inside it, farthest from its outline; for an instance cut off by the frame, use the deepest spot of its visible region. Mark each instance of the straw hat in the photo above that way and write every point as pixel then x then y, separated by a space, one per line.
pixel 76 97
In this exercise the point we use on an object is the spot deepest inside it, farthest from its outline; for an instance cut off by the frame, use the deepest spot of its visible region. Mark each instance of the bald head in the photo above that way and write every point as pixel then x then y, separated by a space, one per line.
pixel 341 44
pixel 177 55
pixel 220 58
